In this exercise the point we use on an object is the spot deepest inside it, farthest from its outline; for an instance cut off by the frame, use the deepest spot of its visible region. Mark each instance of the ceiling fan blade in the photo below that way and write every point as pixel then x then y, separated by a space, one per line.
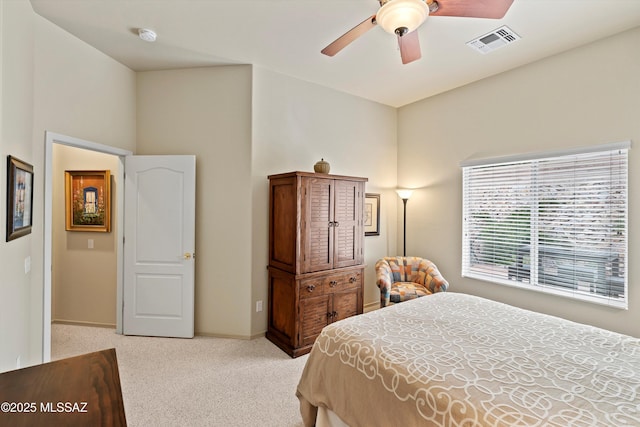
pixel 342 41
pixel 493 9
pixel 409 47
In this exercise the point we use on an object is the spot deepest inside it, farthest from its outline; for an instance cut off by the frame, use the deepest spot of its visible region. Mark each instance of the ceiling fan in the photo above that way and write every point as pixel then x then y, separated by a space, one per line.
pixel 403 17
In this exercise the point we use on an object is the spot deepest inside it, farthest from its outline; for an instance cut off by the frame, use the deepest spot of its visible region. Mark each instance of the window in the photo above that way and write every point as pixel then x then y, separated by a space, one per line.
pixel 555 223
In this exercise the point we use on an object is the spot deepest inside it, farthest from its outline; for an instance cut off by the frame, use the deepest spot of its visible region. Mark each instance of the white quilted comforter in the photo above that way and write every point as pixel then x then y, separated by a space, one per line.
pixel 457 360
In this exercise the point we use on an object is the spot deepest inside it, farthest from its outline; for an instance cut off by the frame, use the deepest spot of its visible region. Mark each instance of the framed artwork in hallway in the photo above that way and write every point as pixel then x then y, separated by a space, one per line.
pixel 88 200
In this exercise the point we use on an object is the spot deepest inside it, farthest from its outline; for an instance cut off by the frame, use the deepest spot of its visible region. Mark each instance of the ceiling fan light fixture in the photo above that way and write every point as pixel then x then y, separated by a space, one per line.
pixel 397 14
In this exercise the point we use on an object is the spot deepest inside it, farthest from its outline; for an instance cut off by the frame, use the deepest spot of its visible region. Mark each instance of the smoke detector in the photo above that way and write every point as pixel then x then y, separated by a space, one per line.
pixel 494 40
pixel 147 35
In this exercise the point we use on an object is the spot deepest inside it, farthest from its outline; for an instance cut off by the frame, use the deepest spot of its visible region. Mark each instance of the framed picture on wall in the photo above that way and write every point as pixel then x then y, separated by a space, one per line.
pixel 371 214
pixel 19 198
pixel 88 200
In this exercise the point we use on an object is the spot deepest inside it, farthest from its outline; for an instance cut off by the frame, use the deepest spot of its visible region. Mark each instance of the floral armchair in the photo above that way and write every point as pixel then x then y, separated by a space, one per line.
pixel 404 278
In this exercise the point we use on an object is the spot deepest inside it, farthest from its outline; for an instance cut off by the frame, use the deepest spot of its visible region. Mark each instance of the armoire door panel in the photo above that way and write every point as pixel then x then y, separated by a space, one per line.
pixel 315 314
pixel 348 220
pixel 345 304
pixel 318 216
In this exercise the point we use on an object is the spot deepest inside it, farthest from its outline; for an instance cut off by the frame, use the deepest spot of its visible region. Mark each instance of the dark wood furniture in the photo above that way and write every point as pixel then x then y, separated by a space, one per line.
pixel 316 255
pixel 78 391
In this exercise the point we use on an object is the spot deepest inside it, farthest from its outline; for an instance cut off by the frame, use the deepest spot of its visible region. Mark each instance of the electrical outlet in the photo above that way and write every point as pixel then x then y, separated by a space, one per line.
pixel 90 243
pixel 18 363
pixel 259 306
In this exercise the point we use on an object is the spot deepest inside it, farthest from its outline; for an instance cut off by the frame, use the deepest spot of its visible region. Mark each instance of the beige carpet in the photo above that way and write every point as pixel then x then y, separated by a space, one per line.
pixel 198 382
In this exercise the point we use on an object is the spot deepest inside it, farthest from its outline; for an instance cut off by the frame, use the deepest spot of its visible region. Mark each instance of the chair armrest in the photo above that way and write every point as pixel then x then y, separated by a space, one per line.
pixel 384 281
pixel 434 280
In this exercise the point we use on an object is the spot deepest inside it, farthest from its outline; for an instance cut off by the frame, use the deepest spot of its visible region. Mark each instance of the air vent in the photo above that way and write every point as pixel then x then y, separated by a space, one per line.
pixel 494 40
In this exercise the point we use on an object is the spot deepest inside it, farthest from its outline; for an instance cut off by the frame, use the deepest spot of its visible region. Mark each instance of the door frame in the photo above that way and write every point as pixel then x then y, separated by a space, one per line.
pixel 56 138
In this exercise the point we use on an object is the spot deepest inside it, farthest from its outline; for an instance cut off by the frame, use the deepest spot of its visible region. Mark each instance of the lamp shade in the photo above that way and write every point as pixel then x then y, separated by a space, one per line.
pixel 409 14
pixel 404 193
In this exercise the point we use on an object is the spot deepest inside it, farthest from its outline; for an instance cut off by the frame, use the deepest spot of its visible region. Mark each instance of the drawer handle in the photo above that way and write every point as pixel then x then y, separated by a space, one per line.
pixel 332 315
pixel 333 283
pixel 310 288
pixel 352 279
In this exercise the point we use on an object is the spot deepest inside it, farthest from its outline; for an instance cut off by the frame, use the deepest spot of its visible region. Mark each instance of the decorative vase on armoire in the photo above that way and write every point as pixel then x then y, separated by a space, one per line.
pixel 322 166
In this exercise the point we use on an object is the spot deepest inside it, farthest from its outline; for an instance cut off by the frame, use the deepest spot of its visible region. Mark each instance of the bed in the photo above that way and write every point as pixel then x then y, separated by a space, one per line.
pixel 451 359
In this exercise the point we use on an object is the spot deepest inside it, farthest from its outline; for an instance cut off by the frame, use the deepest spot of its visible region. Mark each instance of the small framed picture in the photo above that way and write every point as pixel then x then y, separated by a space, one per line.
pixel 19 198
pixel 88 200
pixel 371 214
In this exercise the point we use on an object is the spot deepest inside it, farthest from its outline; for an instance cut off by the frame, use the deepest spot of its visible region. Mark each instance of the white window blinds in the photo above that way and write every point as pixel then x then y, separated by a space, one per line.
pixel 556 223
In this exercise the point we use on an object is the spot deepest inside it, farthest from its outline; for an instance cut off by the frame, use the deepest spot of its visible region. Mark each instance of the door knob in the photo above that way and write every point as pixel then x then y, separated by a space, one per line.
pixel 187 255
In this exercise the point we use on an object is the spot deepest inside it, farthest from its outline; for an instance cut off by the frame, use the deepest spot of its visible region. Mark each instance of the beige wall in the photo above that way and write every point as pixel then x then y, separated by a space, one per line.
pixel 83 280
pixel 18 314
pixel 207 112
pixel 81 92
pixel 587 96
pixel 295 124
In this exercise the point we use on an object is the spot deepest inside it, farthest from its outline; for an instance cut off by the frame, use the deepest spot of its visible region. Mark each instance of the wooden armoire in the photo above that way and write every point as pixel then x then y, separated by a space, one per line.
pixel 316 255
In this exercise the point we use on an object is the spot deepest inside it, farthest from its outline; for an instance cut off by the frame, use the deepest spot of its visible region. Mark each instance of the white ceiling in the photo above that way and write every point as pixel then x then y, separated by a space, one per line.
pixel 286 36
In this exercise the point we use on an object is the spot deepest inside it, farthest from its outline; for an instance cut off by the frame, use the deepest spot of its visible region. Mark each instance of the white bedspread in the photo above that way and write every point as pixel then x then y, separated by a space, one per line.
pixel 451 359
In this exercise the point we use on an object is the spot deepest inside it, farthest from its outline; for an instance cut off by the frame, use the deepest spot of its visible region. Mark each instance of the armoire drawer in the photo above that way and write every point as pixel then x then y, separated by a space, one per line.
pixel 312 287
pixel 338 282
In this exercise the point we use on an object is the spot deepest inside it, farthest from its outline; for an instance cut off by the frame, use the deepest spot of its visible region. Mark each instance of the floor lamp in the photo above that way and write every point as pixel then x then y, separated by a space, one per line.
pixel 404 195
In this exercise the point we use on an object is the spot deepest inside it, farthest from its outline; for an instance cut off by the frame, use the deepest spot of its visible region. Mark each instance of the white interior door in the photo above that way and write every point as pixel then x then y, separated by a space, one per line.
pixel 159 244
